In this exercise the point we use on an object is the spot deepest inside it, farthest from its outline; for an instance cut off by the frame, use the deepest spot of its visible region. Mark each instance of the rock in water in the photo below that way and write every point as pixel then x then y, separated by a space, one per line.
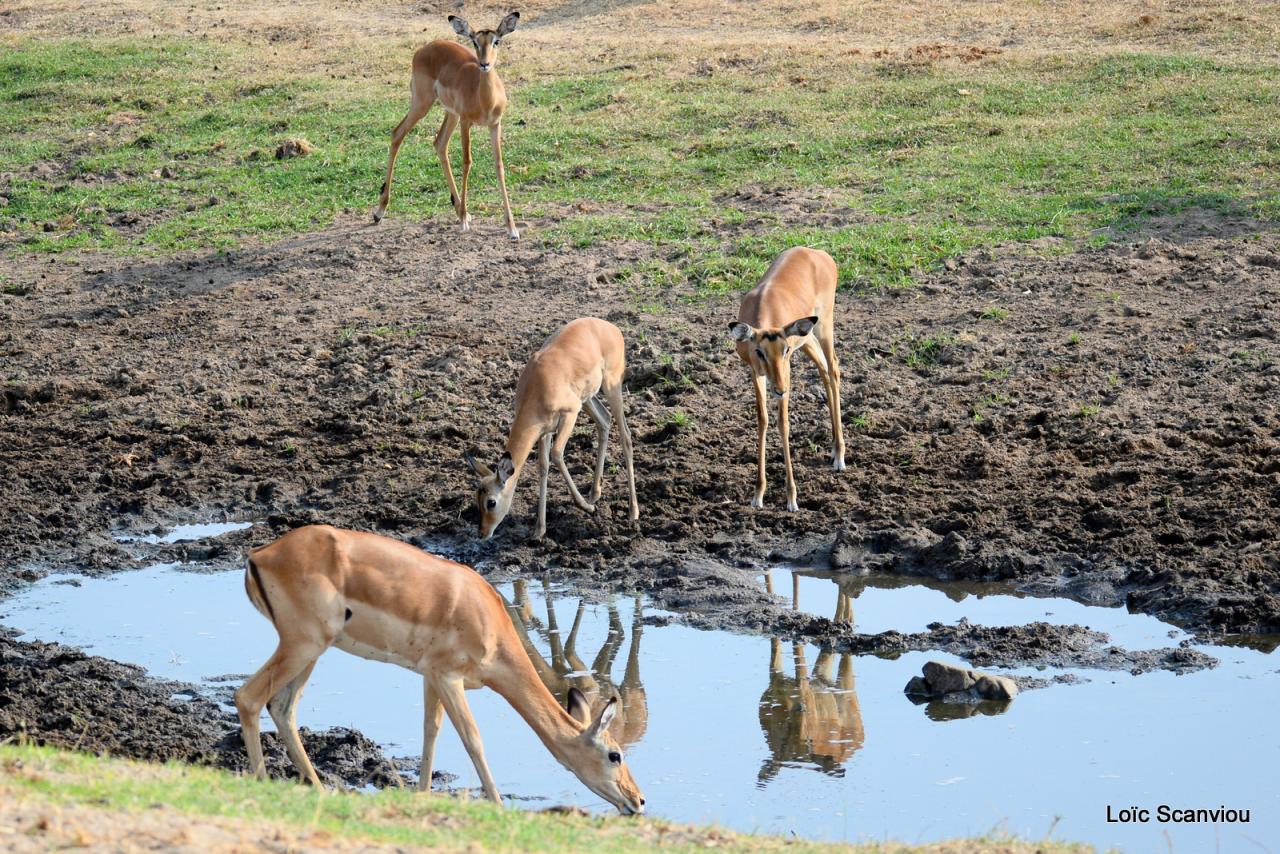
pixel 953 684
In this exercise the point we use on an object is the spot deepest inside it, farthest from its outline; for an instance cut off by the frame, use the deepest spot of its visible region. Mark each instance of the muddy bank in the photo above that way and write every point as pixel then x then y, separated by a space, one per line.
pixel 57 695
pixel 1098 423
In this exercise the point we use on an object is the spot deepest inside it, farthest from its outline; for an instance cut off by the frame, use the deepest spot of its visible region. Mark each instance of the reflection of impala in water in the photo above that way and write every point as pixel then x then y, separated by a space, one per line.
pixel 812 717
pixel 566 669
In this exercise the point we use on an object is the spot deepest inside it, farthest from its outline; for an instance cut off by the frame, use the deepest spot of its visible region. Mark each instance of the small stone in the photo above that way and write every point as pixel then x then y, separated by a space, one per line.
pixel 991 687
pixel 948 678
pixel 917 687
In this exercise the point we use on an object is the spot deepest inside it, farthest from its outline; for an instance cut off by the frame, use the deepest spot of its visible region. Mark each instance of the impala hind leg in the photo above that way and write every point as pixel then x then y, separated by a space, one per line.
pixel 443 136
pixel 432 712
pixel 614 393
pixel 454 698
pixel 283 708
pixel 418 107
pixel 603 425
pixel 557 456
pixel 289 661
pixel 495 136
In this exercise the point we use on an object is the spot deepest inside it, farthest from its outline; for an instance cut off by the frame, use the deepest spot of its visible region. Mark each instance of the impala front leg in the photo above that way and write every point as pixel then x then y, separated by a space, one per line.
pixel 784 432
pixel 762 429
pixel 454 697
pixel 495 136
pixel 544 471
pixel 466 174
pixel 432 711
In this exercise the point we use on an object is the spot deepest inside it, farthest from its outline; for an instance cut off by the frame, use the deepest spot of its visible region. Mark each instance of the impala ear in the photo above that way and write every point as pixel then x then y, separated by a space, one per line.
pixel 601 723
pixel 460 26
pixel 578 707
pixel 508 24
pixel 505 468
pixel 478 467
pixel 739 330
pixel 801 327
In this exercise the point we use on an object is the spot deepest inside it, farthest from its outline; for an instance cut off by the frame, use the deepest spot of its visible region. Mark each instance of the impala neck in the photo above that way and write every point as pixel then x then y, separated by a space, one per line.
pixel 520 444
pixel 518 683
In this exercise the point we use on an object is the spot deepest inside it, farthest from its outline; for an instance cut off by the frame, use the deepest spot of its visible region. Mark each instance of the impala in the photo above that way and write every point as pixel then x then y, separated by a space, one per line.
pixel 469 91
pixel 387 601
pixel 791 309
pixel 585 357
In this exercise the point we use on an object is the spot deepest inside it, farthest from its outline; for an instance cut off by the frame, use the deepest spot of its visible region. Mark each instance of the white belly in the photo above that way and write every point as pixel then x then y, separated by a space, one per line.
pixel 346 643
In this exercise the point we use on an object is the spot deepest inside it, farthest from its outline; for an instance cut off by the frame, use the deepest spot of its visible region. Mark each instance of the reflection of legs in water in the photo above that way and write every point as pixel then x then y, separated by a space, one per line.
pixel 844 608
pixel 811 718
pixel 635 704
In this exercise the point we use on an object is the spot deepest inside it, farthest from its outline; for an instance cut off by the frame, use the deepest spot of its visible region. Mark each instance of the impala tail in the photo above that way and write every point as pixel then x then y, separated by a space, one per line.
pixel 257 593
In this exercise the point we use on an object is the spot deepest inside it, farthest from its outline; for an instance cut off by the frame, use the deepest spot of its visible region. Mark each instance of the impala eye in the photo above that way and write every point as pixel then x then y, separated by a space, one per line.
pixel 760 352
pixel 615 757
pixel 490 504
pixel 497 42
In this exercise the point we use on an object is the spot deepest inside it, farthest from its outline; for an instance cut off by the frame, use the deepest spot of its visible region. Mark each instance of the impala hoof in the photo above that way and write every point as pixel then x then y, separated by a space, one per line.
pixel 514 233
pixel 792 505
pixel 377 216
pixel 758 502
pixel 466 225
pixel 838 464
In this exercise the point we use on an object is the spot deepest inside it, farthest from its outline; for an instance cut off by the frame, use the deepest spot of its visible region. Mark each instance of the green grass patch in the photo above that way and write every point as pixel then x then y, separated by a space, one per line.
pixel 397 817
pixel 917 165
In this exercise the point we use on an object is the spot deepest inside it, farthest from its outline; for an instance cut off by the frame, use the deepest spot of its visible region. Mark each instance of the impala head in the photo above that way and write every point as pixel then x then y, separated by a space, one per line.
pixel 494 488
pixel 597 759
pixel 485 41
pixel 769 350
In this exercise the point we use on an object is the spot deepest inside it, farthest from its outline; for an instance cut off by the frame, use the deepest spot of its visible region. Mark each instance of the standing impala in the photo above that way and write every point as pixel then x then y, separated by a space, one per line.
pixel 791 309
pixel 387 601
pixel 584 357
pixel 470 92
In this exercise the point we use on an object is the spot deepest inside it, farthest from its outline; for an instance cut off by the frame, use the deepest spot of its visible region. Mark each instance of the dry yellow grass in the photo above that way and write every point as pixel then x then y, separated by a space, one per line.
pixel 375 35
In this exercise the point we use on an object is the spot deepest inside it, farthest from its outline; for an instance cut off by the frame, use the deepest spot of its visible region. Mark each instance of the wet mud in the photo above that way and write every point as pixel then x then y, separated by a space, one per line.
pixel 1100 424
pixel 57 695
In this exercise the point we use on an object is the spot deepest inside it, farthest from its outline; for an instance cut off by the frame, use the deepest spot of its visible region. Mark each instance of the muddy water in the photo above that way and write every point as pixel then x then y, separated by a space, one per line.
pixel 765 735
